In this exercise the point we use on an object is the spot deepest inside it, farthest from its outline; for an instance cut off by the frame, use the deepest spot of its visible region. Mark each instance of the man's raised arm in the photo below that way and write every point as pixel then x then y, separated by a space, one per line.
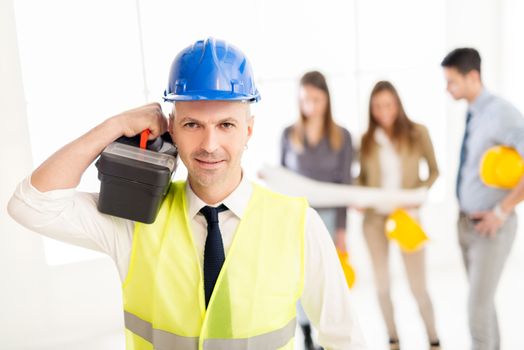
pixel 65 167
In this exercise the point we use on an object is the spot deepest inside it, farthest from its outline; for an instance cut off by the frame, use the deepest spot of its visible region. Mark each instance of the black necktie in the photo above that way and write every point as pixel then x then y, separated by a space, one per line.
pixel 463 154
pixel 214 249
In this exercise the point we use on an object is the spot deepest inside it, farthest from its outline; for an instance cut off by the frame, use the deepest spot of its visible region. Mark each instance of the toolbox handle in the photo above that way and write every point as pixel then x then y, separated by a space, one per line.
pixel 141 141
pixel 144 135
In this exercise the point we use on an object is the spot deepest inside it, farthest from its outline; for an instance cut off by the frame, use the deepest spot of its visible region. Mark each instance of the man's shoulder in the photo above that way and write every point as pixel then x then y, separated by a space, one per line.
pixel 275 197
pixel 501 107
pixel 176 185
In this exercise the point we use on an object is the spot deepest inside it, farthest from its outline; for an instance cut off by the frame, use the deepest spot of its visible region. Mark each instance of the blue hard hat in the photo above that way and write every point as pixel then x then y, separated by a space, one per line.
pixel 211 69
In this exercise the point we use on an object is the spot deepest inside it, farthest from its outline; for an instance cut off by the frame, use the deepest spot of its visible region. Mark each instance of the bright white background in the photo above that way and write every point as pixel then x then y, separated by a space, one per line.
pixel 71 64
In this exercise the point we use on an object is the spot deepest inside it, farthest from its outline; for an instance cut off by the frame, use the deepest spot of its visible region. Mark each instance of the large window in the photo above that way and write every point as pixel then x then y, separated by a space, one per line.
pixel 80 64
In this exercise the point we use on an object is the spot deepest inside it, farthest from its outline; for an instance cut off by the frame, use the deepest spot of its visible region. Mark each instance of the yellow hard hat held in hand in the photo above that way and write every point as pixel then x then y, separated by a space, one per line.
pixel 346 267
pixel 501 167
pixel 401 227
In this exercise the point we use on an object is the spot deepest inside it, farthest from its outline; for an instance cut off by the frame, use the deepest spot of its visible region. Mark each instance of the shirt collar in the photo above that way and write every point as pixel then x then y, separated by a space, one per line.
pixel 381 138
pixel 236 202
pixel 480 102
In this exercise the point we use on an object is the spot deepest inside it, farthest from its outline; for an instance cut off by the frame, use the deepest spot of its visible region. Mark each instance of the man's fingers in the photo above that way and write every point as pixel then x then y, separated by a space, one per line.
pixel 480 228
pixel 157 120
pixel 477 215
pixel 486 229
pixel 149 116
pixel 158 127
pixel 163 124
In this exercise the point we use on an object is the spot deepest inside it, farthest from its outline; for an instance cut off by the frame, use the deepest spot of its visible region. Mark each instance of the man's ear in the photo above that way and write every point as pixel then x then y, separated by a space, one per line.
pixel 171 126
pixel 473 75
pixel 477 75
pixel 250 124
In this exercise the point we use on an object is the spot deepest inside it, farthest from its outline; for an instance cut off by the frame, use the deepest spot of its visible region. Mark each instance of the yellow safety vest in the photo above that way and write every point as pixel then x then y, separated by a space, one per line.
pixel 254 299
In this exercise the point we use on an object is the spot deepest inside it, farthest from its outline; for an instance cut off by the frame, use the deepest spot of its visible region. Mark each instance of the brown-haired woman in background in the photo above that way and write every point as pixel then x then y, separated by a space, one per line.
pixel 391 150
pixel 316 147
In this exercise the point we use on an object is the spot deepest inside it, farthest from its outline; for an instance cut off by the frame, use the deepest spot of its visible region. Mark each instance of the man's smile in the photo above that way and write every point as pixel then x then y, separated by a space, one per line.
pixel 209 163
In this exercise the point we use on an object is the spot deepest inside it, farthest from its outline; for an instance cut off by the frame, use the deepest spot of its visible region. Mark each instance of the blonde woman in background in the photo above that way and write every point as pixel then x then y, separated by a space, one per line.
pixel 391 151
pixel 316 147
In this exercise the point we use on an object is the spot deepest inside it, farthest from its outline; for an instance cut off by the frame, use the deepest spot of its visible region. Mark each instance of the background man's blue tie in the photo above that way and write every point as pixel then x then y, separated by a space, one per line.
pixel 463 154
pixel 214 249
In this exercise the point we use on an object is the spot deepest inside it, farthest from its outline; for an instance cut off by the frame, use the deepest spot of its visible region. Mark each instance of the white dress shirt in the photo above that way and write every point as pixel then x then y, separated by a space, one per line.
pixel 390 168
pixel 71 216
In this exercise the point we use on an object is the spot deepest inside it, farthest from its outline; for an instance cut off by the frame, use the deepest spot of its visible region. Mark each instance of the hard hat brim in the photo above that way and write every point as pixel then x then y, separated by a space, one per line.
pixel 210 96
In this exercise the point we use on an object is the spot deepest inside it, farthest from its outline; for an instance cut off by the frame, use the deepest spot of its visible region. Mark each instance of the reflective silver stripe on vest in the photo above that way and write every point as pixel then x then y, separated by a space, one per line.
pixel 163 340
pixel 267 341
pixel 160 339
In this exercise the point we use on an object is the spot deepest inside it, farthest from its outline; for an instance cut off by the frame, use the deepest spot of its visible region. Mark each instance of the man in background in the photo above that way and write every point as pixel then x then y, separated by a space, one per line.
pixel 487 222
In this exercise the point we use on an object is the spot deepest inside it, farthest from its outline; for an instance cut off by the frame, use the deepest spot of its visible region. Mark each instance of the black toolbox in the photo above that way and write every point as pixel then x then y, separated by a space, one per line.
pixel 134 181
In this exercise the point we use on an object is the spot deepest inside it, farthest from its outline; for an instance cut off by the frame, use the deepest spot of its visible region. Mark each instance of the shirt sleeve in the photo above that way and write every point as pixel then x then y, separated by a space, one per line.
pixel 326 298
pixel 346 159
pixel 72 217
pixel 509 128
pixel 283 147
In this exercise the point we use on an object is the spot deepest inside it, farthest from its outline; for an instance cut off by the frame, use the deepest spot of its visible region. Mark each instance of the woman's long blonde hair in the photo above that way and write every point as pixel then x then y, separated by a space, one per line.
pixel 330 128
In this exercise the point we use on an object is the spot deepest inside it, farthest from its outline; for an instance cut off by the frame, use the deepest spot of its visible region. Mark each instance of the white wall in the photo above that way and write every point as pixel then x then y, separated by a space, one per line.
pixel 40 304
pixel 512 49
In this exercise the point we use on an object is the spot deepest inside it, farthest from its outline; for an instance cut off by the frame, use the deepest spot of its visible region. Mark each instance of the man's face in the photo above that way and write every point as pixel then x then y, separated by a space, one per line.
pixel 458 84
pixel 211 137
